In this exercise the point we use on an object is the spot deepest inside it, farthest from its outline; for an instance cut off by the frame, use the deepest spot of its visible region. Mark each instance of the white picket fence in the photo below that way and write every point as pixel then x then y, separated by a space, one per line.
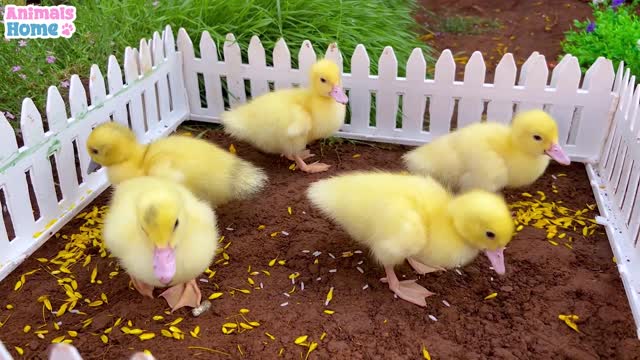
pixel 596 115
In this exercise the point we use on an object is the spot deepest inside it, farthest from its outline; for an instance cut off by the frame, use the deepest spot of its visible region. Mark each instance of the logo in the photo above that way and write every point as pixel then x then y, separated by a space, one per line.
pixel 39 22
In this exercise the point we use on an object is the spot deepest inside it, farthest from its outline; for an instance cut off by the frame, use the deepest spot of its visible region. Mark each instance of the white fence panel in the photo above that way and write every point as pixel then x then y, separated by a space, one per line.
pixel 66 142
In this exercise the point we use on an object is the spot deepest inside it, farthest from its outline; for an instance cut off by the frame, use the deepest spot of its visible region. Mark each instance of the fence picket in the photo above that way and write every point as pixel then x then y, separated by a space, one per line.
pixel 566 79
pixel 505 78
pixel 114 78
pixel 41 175
pixel 414 102
pixel 470 108
pixel 65 159
pixel 594 123
pixel 258 63
pixel 97 89
pixel 8 149
pixel 333 53
pixel 78 106
pixel 282 65
pixel 212 83
pixel 441 104
pixel 535 82
pixel 306 58
pixel 386 96
pixel 162 85
pixel 149 93
pixel 185 46
pixel 136 110
pixel 359 96
pixel 233 63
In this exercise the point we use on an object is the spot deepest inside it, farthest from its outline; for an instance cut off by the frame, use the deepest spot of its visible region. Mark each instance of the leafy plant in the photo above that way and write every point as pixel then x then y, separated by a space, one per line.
pixel 614 33
pixel 106 27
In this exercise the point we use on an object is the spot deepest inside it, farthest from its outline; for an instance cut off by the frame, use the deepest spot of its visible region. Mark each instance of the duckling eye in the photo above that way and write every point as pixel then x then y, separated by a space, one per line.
pixel 537 137
pixel 323 80
pixel 175 226
pixel 94 151
pixel 490 234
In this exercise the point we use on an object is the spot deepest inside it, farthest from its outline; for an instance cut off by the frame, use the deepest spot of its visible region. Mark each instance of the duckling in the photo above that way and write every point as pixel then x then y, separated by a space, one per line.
pixel 163 235
pixel 212 173
pixel 490 155
pixel 285 121
pixel 404 216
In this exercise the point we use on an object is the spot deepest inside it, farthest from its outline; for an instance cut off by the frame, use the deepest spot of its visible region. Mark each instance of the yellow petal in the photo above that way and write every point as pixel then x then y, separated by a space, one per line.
pixel 19 350
pixel 246 326
pixel 215 295
pixel 72 333
pixel 230 325
pixel 244 311
pixel 425 353
pixel 329 296
pixel 147 336
pixel 26 329
pixel 57 340
pixel 160 317
pixel 330 312
pixel 104 338
pixel 103 296
pixel 301 339
pixel 176 321
pixel 289 210
pixel 491 296
pixel 270 336
pixel 166 333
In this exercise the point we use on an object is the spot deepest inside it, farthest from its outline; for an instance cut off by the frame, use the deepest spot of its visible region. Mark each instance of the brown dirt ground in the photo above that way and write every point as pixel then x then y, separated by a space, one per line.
pixel 526 26
pixel 522 322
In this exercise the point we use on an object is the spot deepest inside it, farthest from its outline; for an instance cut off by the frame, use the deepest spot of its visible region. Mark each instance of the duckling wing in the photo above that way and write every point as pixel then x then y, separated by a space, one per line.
pixel 486 170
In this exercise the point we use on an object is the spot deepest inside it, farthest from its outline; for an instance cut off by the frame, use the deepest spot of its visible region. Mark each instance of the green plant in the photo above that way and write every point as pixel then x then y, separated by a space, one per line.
pixel 614 33
pixel 106 27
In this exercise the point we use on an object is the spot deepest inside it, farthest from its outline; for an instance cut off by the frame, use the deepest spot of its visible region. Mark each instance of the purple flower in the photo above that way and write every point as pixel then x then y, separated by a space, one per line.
pixel 51 59
pixel 23 76
pixel 16 68
pixel 65 84
pixel 22 43
pixel 616 3
pixel 591 27
pixel 9 115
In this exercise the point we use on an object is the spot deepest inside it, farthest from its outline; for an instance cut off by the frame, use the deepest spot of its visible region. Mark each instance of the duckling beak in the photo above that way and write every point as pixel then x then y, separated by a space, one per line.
pixel 496 257
pixel 164 264
pixel 93 166
pixel 338 95
pixel 557 153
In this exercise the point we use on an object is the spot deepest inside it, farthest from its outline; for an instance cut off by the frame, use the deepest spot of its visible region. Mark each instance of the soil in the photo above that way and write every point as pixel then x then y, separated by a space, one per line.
pixel 526 26
pixel 522 322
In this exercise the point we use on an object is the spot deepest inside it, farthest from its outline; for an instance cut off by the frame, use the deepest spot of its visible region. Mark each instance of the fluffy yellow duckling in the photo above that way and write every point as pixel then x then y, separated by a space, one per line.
pixel 413 217
pixel 491 156
pixel 285 121
pixel 163 236
pixel 212 173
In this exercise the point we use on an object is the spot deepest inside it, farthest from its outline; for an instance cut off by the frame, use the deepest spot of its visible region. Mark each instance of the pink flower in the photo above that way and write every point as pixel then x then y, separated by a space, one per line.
pixel 16 68
pixel 65 84
pixel 9 115
pixel 22 43
pixel 23 76
pixel 51 59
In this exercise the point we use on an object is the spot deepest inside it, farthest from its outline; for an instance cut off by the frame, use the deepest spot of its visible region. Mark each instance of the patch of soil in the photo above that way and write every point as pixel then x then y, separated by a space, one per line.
pixel 522 322
pixel 527 26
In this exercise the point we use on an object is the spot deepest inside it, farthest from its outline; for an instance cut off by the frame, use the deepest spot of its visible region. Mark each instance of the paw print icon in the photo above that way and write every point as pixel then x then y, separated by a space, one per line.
pixel 67 30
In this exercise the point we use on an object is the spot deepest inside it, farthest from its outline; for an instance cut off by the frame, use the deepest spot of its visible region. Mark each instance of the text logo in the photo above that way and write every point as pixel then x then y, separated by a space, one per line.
pixel 39 22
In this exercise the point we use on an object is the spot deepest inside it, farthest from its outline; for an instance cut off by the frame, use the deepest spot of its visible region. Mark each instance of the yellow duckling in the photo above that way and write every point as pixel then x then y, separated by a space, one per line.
pixel 490 155
pixel 212 173
pixel 163 236
pixel 285 121
pixel 413 217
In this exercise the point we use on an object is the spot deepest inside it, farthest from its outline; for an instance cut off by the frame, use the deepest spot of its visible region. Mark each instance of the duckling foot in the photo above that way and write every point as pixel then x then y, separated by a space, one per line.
pixel 407 290
pixel 421 268
pixel 142 287
pixel 303 155
pixel 186 294
pixel 316 167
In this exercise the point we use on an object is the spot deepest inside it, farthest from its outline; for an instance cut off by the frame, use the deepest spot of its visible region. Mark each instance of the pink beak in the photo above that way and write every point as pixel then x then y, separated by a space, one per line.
pixel 496 257
pixel 338 95
pixel 164 264
pixel 557 153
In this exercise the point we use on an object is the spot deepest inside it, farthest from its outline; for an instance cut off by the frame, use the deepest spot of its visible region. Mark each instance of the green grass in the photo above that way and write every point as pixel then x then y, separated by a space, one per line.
pixel 458 24
pixel 615 37
pixel 106 27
